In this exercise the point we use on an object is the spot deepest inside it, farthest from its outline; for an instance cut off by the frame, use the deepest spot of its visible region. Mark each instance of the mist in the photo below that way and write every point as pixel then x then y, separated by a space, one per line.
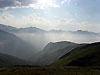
pixel 40 40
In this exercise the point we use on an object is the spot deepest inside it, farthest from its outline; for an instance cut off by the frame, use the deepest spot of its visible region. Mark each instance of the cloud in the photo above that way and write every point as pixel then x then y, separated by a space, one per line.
pixel 5 4
pixel 33 20
pixel 69 1
pixel 64 1
pixel 44 3
pixel 47 24
pixel 25 21
pixel 8 3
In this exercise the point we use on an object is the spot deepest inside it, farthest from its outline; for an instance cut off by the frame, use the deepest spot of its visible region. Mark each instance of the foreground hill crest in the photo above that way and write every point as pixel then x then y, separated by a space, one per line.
pixel 87 55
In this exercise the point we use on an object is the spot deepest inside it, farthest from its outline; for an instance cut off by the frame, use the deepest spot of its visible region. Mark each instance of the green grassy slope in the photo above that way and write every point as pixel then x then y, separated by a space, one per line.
pixel 88 55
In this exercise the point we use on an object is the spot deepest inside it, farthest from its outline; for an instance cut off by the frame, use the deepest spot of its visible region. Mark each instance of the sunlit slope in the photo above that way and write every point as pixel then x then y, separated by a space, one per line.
pixel 88 55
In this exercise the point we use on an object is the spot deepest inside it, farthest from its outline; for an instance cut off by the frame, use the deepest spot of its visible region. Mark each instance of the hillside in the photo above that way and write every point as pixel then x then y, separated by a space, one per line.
pixel 54 51
pixel 88 55
pixel 12 45
pixel 11 60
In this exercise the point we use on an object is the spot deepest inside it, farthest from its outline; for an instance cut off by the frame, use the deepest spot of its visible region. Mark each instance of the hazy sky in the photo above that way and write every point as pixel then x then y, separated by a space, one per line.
pixel 52 14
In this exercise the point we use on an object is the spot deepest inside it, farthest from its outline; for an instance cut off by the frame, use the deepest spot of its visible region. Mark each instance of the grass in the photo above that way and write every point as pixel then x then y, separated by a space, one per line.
pixel 49 70
pixel 87 55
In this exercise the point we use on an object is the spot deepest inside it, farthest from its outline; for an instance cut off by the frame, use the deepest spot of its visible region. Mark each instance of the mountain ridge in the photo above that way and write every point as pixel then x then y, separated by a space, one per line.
pixel 87 55
pixel 38 30
pixel 21 30
pixel 53 51
pixel 8 60
pixel 13 45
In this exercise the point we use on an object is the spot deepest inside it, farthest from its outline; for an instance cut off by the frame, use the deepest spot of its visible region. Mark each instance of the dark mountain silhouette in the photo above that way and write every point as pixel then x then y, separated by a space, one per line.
pixel 12 45
pixel 8 28
pixel 88 55
pixel 54 51
pixel 8 60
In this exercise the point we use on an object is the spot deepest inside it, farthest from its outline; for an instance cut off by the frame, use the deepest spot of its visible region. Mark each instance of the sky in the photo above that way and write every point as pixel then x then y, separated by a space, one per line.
pixel 52 14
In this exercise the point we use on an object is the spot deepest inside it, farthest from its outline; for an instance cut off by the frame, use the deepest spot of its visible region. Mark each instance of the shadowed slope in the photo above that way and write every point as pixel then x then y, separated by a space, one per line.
pixel 88 55
pixel 12 45
pixel 54 51
pixel 11 60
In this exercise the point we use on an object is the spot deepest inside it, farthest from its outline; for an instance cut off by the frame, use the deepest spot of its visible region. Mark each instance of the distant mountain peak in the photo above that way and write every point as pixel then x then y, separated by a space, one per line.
pixel 14 29
pixel 84 32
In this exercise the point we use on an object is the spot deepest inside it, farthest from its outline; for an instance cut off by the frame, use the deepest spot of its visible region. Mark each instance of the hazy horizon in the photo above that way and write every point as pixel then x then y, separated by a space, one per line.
pixel 50 33
pixel 69 15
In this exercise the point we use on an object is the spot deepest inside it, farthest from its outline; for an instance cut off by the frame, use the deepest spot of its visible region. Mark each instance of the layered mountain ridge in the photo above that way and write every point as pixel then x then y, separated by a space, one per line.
pixel 54 51
pixel 13 45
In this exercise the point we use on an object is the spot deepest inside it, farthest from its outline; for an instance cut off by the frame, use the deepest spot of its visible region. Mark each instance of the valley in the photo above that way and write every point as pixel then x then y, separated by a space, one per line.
pixel 26 51
pixel 49 37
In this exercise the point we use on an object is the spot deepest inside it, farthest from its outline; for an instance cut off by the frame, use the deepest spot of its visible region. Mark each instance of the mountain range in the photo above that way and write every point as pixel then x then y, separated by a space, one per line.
pixel 38 30
pixel 20 30
pixel 54 51
pixel 15 50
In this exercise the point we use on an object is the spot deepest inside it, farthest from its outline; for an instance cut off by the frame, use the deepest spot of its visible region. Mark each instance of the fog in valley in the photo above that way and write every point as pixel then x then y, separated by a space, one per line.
pixel 44 32
pixel 40 40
